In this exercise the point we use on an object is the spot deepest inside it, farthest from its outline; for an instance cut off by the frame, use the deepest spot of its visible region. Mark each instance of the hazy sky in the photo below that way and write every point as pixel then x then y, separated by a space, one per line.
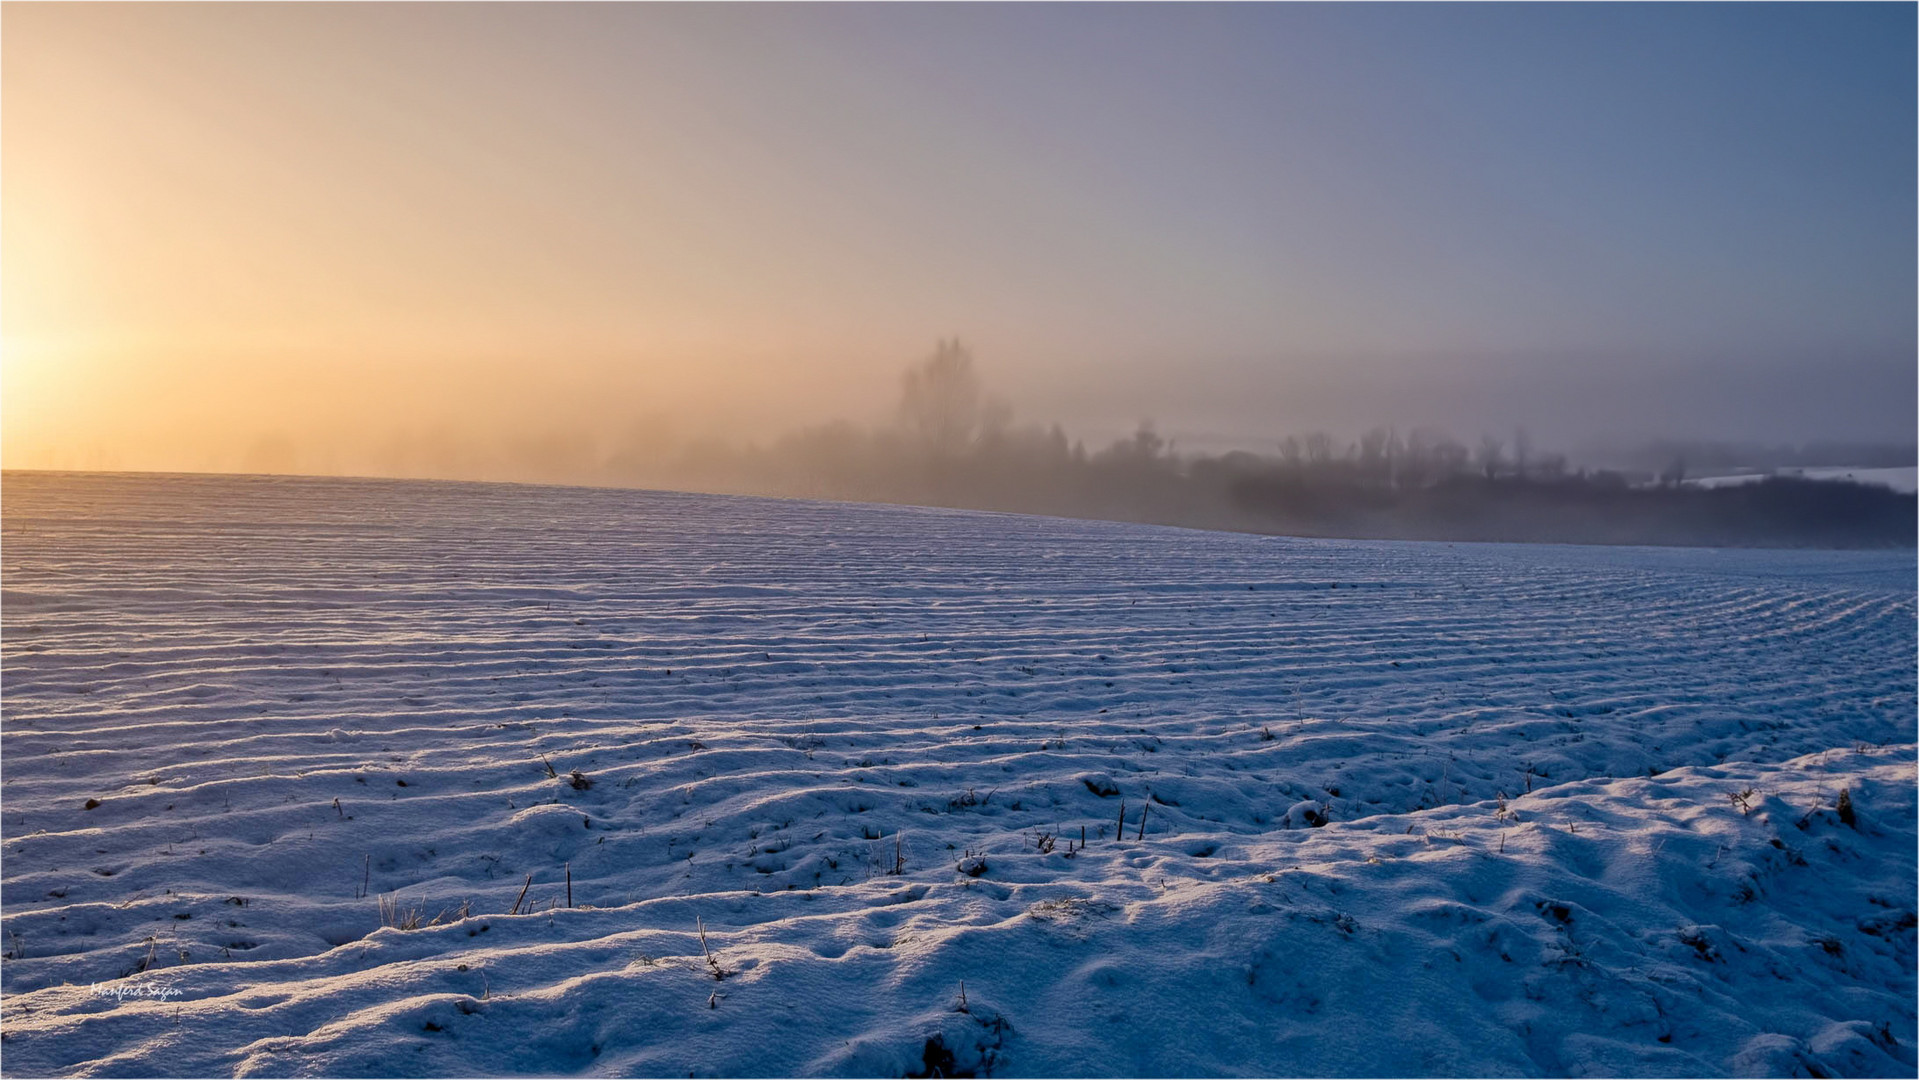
pixel 327 227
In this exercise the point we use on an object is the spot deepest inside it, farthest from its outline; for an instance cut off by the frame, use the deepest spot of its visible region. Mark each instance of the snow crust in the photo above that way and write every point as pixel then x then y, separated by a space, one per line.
pixel 1409 808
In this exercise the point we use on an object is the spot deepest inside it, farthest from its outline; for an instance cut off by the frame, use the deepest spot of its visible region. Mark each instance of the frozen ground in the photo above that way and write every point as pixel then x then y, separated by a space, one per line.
pixel 1581 805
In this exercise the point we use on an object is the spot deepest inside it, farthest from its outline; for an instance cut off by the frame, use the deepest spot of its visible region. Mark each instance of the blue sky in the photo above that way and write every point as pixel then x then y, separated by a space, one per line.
pixel 1240 220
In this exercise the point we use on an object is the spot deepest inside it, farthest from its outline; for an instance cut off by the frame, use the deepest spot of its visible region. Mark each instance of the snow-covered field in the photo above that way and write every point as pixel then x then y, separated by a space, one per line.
pixel 1580 806
pixel 1898 478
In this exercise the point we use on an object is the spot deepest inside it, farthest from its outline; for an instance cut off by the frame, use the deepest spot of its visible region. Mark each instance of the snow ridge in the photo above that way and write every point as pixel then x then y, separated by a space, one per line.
pixel 1579 806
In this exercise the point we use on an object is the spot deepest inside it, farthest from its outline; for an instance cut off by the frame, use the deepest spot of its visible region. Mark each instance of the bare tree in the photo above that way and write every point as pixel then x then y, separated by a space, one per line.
pixel 1491 456
pixel 940 405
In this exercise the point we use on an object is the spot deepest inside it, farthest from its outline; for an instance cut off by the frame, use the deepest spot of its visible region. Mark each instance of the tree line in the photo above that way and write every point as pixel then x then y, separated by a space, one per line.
pixel 954 444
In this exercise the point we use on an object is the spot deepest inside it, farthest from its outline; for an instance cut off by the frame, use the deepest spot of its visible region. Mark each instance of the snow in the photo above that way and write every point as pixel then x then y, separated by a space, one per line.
pixel 1901 478
pixel 1580 806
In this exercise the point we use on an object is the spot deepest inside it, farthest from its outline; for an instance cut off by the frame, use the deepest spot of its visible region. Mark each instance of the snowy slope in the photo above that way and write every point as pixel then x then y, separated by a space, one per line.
pixel 800 725
pixel 1903 478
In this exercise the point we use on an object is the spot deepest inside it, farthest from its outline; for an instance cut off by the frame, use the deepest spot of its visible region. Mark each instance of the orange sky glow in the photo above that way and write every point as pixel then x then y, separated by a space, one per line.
pixel 436 239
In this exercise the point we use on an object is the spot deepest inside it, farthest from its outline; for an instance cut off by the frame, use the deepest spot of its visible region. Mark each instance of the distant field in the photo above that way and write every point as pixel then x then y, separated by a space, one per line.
pixel 1903 478
pixel 1409 808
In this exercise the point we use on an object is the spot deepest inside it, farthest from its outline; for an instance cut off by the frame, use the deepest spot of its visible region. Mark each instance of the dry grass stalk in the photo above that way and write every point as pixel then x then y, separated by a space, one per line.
pixel 712 965
pixel 397 917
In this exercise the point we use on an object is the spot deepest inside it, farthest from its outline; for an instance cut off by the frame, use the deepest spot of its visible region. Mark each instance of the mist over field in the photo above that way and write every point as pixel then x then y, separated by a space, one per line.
pixel 520 243
pixel 959 540
pixel 490 422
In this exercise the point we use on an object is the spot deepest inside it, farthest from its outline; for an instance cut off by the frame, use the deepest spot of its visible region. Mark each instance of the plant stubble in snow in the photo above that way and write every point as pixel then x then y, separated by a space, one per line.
pixel 765 782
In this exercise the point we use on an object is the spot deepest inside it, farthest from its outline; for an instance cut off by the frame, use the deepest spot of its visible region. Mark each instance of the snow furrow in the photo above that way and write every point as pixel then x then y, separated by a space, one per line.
pixel 1490 795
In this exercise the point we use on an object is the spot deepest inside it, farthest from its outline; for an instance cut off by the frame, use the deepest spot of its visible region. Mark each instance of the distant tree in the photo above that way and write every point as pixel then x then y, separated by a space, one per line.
pixel 1491 456
pixel 1372 449
pixel 1522 451
pixel 1056 445
pixel 1144 446
pixel 1438 455
pixel 940 403
pixel 1422 464
pixel 1290 451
